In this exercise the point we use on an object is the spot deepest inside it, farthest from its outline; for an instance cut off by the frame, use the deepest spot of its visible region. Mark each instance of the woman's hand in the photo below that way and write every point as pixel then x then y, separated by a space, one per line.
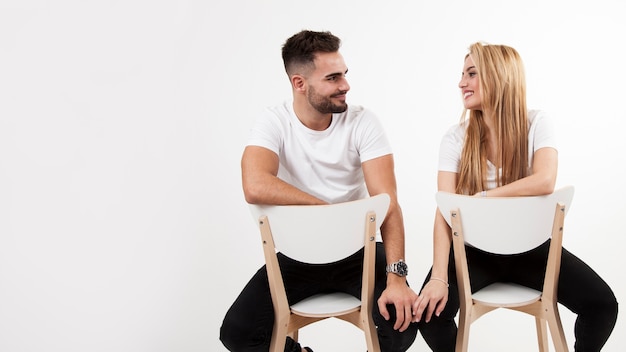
pixel 432 299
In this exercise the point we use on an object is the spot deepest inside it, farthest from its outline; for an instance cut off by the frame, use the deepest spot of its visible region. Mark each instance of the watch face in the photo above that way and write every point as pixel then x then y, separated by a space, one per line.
pixel 402 268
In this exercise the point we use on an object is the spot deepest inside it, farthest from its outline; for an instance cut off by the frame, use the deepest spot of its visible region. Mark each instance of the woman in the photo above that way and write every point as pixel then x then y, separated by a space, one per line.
pixel 502 149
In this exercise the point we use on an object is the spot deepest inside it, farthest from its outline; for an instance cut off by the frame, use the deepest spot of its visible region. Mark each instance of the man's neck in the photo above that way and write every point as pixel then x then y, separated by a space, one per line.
pixel 310 117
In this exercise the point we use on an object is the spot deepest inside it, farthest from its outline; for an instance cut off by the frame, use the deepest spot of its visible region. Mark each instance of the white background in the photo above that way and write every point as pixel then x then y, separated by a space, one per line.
pixel 122 221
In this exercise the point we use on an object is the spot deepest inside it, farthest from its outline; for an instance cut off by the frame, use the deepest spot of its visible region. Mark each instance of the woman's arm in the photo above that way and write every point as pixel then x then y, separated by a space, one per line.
pixel 434 295
pixel 540 182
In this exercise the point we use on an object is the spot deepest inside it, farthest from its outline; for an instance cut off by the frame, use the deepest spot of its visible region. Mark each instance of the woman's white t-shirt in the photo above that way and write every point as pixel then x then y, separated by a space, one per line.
pixel 541 134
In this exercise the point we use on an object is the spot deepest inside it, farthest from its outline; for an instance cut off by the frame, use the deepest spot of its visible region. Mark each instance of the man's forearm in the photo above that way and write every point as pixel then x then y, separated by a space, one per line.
pixel 272 190
pixel 392 233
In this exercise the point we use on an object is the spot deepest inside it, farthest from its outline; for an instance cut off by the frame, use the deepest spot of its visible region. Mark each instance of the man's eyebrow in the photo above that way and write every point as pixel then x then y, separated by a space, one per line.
pixel 336 74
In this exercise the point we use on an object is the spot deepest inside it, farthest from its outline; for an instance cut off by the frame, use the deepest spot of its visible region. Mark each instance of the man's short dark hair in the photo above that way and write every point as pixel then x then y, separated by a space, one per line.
pixel 299 50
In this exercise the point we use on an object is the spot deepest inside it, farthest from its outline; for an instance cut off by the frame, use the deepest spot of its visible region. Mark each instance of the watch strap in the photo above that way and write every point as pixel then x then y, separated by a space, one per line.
pixel 399 268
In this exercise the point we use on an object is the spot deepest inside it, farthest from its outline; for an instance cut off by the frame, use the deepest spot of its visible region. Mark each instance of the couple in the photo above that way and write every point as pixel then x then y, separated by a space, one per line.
pixel 349 157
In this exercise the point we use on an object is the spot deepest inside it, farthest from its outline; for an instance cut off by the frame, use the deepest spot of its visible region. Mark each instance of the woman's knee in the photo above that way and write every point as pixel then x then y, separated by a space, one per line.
pixel 608 308
pixel 439 333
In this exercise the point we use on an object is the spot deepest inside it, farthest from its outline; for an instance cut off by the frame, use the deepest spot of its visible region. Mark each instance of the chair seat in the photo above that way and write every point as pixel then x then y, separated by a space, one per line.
pixel 504 294
pixel 328 304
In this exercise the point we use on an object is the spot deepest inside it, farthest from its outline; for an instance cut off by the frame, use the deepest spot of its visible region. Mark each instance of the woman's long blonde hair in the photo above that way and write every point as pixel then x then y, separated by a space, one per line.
pixel 503 97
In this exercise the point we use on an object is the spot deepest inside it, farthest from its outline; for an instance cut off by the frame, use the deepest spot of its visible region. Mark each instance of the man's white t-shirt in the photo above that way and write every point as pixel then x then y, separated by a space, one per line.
pixel 325 164
pixel 541 134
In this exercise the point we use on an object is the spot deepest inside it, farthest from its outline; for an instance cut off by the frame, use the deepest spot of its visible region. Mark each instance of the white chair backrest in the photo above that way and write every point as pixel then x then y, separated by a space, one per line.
pixel 321 233
pixel 505 225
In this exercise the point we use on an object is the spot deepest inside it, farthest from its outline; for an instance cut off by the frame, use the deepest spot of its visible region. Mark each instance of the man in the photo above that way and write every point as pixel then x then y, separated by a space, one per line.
pixel 317 149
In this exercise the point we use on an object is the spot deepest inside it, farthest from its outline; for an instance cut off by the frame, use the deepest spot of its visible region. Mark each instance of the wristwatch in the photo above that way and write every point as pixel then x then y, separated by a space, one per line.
pixel 399 268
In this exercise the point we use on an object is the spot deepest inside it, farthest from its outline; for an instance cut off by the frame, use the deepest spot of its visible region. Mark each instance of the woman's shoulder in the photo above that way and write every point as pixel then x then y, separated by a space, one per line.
pixel 457 131
pixel 539 119
pixel 535 115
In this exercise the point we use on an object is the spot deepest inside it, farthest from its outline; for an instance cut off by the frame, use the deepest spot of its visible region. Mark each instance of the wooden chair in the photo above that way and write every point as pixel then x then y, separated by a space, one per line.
pixel 321 234
pixel 508 225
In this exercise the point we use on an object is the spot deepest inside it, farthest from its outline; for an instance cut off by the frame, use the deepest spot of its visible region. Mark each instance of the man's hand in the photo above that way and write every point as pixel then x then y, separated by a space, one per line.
pixel 402 298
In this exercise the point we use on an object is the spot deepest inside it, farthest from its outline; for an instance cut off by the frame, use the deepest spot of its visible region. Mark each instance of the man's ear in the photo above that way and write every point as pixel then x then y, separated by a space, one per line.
pixel 298 83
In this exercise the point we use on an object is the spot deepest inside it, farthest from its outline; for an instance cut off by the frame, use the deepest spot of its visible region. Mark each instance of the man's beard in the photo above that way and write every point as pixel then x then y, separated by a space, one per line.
pixel 324 104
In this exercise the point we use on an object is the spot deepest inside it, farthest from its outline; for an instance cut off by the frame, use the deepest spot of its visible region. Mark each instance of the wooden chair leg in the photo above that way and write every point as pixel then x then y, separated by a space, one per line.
pixel 462 335
pixel 278 342
pixel 279 336
pixel 294 335
pixel 556 331
pixel 371 335
pixel 542 334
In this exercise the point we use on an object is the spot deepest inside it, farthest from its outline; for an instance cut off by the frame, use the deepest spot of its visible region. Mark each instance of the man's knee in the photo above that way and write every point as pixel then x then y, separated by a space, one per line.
pixel 232 336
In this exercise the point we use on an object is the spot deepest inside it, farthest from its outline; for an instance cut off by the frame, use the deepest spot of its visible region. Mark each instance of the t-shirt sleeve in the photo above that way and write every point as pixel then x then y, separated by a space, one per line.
pixel 450 150
pixel 373 141
pixel 542 132
pixel 266 132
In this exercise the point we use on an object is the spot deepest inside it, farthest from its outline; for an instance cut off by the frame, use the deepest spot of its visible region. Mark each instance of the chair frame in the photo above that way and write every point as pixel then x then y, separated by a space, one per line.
pixel 543 306
pixel 289 319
